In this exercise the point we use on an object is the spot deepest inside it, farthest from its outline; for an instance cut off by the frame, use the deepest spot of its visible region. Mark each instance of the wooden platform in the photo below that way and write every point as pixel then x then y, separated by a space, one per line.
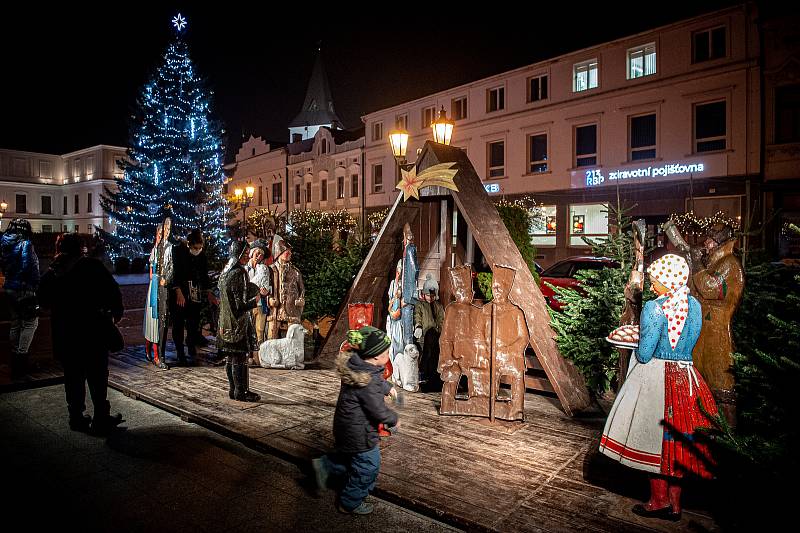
pixel 541 475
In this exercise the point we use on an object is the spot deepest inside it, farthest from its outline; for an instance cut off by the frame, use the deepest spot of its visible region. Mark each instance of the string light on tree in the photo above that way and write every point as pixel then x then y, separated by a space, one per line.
pixel 174 161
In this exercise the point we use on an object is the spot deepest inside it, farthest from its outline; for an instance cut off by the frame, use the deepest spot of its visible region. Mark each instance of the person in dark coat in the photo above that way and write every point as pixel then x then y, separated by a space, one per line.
pixel 82 296
pixel 236 333
pixel 359 410
pixel 190 286
pixel 21 271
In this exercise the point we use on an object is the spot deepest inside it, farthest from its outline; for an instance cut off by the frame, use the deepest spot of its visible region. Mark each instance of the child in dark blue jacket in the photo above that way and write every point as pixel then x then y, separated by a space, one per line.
pixel 359 410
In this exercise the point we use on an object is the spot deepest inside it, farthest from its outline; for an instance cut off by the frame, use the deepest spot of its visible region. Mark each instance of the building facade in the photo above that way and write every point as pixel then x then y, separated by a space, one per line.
pixel 669 120
pixel 58 193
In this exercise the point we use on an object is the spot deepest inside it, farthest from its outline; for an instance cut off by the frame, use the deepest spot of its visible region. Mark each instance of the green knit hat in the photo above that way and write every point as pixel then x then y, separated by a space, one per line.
pixel 368 342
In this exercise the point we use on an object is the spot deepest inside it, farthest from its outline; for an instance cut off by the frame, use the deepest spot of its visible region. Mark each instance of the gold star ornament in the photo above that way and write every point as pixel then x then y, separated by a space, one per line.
pixel 441 175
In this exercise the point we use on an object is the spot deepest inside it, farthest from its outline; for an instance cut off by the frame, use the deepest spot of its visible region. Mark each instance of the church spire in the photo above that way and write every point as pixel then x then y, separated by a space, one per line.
pixel 318 107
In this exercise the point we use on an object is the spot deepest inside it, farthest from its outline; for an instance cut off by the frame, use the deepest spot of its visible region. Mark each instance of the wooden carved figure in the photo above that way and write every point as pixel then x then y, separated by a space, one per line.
pixel 464 350
pixel 719 289
pixel 510 336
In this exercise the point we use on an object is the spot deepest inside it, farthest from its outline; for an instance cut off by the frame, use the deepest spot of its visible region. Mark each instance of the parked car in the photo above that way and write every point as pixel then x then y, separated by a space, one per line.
pixel 562 274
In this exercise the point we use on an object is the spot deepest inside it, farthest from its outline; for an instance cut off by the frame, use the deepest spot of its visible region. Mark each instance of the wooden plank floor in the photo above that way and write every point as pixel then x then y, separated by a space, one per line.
pixel 541 475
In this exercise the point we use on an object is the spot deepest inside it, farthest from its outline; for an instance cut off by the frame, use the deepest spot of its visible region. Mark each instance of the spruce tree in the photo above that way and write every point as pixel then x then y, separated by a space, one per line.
pixel 175 159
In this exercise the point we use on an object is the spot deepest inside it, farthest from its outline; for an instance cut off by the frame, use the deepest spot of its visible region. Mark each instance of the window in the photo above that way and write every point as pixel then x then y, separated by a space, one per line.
pixel 710 127
pixel 277 193
pixel 354 186
pixel 297 194
pixel 324 146
pixel 496 158
pixel 76 168
pixel 340 187
pixel 308 192
pixel 377 178
pixel 543 225
pixel 537 88
pixel 253 153
pixel 89 228
pixel 260 195
pixel 708 45
pixel 590 220
pixel 458 108
pixel 401 121
pixel 642 61
pixel 559 270
pixel 77 204
pixel 537 153
pixel 428 116
pixel 377 131
pixel 47 228
pixel 22 203
pixel 586 146
pixel 90 167
pixel 584 76
pixel 64 212
pixel 787 114
pixel 89 204
pixel 495 99
pixel 323 191
pixel 642 138
pixel 47 205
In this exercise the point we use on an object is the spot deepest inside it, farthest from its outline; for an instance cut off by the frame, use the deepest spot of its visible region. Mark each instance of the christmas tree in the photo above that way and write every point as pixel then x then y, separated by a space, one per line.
pixel 175 160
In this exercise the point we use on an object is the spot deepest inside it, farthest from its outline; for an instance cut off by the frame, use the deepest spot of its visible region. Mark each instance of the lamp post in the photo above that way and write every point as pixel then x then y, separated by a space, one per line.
pixel 3 207
pixel 398 138
pixel 243 198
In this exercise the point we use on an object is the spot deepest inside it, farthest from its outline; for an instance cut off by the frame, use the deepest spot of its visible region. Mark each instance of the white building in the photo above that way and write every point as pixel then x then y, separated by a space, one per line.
pixel 59 192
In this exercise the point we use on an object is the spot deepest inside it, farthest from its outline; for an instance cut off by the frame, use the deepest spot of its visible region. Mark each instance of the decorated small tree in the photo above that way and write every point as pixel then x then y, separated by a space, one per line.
pixel 174 165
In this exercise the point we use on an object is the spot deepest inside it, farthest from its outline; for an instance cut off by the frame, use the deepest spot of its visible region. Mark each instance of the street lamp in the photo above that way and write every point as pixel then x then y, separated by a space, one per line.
pixel 243 198
pixel 398 138
pixel 443 128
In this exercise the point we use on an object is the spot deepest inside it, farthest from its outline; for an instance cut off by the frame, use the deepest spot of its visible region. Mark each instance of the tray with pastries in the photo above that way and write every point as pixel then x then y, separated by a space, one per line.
pixel 626 336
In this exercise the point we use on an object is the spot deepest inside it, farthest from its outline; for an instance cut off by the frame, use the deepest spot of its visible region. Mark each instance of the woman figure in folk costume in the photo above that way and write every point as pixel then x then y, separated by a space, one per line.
pixel 663 386
pixel 394 323
pixel 151 322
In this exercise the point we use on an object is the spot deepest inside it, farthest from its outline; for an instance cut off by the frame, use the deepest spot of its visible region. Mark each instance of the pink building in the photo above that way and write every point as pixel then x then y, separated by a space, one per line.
pixel 669 119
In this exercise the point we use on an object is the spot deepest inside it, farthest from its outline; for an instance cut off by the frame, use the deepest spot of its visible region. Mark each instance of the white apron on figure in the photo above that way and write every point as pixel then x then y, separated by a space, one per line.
pixel 628 436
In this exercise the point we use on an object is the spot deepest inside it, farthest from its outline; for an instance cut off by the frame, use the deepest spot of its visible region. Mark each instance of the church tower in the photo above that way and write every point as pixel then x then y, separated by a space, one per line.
pixel 317 108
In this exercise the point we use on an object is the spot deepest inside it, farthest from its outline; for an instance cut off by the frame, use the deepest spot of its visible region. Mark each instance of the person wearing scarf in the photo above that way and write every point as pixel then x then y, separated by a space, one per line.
pixel 654 419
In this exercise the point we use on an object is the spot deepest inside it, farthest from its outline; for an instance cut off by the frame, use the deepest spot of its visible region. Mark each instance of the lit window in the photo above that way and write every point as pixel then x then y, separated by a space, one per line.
pixel 585 76
pixel 277 193
pixel 340 187
pixel 590 220
pixel 642 61
pixel 543 225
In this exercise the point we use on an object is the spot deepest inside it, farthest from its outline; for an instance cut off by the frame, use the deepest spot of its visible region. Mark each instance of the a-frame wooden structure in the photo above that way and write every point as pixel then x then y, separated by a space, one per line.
pixel 476 207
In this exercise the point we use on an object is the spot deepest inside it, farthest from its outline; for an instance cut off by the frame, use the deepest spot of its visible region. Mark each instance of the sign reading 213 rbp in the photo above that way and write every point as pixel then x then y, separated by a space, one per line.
pixel 598 177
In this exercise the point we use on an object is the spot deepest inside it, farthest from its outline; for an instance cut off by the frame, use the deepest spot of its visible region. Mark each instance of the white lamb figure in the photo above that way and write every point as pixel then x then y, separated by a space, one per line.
pixel 407 365
pixel 286 352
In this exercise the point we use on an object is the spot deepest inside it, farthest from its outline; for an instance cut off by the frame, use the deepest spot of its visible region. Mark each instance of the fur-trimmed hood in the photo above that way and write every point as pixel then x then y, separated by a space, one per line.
pixel 354 371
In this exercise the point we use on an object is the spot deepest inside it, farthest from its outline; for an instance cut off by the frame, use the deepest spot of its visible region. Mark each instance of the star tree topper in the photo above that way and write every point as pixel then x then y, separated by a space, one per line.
pixel 441 175
pixel 179 22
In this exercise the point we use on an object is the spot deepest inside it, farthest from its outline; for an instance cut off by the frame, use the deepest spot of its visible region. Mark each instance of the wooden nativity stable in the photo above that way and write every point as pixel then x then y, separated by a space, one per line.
pixel 444 223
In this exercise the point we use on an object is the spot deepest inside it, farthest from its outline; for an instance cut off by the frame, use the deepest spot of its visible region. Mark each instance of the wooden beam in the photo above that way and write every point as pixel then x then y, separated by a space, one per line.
pixel 497 247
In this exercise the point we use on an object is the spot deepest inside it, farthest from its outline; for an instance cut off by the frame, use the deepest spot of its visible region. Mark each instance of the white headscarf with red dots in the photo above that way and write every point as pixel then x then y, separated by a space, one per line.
pixel 672 271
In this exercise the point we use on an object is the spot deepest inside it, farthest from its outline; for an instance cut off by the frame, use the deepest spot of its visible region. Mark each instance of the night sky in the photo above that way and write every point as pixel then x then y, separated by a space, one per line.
pixel 71 74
